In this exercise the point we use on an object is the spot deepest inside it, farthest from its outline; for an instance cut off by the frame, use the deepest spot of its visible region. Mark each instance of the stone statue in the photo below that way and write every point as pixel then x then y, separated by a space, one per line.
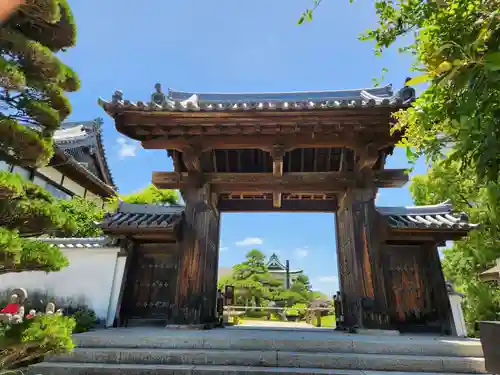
pixel 158 97
pixel 14 311
pixel 407 93
pixel 51 309
pixel 117 97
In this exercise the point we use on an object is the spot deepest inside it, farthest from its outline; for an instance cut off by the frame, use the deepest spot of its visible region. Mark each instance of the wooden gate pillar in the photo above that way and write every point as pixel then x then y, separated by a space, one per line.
pixel 196 295
pixel 359 241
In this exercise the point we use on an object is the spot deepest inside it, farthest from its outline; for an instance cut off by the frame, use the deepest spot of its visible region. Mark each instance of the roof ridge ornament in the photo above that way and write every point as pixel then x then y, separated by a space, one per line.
pixel 407 94
pixel 158 97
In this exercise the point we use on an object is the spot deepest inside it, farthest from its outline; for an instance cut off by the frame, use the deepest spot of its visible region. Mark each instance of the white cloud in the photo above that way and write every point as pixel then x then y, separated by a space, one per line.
pixel 126 149
pixel 249 241
pixel 301 252
pixel 328 279
pixel 223 248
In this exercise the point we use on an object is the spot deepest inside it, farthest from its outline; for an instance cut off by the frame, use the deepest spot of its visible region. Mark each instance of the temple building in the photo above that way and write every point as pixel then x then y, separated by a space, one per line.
pixel 278 271
pixel 272 152
pixel 78 167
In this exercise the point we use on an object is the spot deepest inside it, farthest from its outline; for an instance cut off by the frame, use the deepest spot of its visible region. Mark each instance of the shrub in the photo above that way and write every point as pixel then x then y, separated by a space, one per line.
pixel 29 341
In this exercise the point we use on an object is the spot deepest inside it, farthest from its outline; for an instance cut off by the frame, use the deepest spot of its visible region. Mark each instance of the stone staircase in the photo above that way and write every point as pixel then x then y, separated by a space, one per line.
pixel 142 351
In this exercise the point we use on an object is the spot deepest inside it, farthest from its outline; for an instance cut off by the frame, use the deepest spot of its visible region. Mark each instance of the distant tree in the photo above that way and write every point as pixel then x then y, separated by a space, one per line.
pixel 149 195
pixel 86 214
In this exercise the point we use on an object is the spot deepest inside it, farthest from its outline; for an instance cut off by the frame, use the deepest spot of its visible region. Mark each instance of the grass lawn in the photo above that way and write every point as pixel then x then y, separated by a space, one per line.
pixel 273 318
pixel 326 321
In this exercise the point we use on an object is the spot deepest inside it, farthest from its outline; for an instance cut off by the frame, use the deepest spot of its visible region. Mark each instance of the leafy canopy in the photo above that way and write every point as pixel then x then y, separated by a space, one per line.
pixel 255 285
pixel 457 50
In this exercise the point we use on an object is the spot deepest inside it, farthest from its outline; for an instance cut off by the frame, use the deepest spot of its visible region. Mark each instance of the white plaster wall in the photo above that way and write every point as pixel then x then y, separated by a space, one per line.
pixel 90 276
pixel 459 327
pixel 73 186
pixel 51 173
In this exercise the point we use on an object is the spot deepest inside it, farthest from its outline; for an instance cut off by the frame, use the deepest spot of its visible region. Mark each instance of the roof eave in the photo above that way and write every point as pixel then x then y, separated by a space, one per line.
pixel 68 160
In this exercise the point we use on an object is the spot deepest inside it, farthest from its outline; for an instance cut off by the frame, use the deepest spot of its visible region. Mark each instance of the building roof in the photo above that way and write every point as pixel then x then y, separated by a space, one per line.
pixel 82 143
pixel 181 101
pixel 274 265
pixel 79 243
pixel 439 216
pixel 140 217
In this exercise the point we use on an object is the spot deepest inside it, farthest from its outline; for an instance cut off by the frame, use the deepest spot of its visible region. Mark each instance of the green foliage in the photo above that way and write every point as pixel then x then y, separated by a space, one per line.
pixel 256 286
pixel 457 48
pixel 28 210
pixel 85 213
pixel 466 259
pixel 34 80
pixel 149 195
pixel 84 317
pixel 19 254
pixel 30 341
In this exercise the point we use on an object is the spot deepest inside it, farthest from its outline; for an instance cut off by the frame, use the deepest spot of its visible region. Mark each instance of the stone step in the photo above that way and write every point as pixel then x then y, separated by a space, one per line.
pixel 274 358
pixel 285 341
pixel 135 369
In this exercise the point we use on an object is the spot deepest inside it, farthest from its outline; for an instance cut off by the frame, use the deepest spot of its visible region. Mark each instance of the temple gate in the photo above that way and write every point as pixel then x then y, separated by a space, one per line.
pixel 295 152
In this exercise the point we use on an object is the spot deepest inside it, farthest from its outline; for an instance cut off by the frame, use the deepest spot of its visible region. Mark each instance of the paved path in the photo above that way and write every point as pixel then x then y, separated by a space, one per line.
pixel 274 324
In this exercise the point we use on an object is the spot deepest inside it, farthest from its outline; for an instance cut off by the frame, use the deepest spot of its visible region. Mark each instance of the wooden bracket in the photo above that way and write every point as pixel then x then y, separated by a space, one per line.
pixel 368 156
pixel 192 158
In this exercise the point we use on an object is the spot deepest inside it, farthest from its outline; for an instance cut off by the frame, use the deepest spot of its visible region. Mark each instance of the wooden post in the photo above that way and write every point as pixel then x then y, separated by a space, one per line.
pixel 360 266
pixel 196 295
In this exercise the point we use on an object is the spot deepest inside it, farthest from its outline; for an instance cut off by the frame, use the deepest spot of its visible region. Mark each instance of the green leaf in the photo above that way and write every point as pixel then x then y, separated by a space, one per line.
pixel 301 20
pixel 492 61
pixel 419 79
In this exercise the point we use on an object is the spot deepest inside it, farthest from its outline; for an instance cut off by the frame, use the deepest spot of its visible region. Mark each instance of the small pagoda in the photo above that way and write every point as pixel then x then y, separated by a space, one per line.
pixel 286 152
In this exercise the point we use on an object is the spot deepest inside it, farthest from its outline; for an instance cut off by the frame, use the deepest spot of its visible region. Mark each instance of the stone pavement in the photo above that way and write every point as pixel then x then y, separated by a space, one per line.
pixel 273 324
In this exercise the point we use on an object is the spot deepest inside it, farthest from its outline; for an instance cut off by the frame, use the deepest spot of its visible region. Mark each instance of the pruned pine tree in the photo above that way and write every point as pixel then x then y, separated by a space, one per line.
pixel 33 103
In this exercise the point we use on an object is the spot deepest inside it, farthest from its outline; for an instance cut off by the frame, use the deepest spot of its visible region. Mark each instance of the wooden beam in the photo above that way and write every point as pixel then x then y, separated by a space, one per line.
pixel 277 154
pixel 288 182
pixel 264 142
pixel 351 116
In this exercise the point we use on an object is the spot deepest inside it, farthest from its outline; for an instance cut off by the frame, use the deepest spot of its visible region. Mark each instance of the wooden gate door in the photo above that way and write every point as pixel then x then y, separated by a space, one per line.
pixel 405 286
pixel 152 284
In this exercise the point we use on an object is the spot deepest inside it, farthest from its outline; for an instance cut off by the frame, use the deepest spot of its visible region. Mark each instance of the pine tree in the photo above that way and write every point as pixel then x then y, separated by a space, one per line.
pixel 33 87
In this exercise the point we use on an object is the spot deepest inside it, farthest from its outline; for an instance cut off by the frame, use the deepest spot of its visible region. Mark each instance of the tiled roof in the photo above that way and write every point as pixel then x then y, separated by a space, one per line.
pixel 275 263
pixel 143 216
pixel 178 101
pixel 440 216
pixel 72 137
pixel 79 243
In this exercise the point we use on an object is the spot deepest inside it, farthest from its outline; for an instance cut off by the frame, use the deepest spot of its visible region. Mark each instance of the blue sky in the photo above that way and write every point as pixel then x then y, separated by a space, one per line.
pixel 229 46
